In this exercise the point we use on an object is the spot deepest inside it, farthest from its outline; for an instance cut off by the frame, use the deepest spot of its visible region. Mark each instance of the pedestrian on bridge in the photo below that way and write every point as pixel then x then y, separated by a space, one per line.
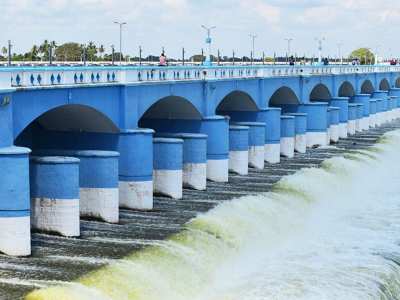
pixel 163 59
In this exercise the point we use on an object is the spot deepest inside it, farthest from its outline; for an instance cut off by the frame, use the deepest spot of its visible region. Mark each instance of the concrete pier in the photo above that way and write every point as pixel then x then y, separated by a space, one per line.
pixel 98 184
pixel 256 143
pixel 352 118
pixel 287 135
pixel 168 165
pixel 392 107
pixel 342 103
pixel 383 95
pixel 136 168
pixel 364 100
pixel 372 113
pixel 239 149
pixel 194 158
pixel 359 117
pixel 396 92
pixel 217 130
pixel 317 116
pixel 333 130
pixel 300 142
pixel 54 184
pixel 15 225
pixel 271 118
pixel 379 111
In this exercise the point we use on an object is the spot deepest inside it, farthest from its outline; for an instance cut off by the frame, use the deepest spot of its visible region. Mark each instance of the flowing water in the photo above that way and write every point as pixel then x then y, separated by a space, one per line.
pixel 321 233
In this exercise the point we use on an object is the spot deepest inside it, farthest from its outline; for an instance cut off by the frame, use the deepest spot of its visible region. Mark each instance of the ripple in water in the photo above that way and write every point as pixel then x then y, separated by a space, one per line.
pixel 327 233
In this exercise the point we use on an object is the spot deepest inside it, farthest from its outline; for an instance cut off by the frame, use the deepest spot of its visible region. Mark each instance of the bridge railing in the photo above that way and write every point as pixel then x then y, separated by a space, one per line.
pixel 65 76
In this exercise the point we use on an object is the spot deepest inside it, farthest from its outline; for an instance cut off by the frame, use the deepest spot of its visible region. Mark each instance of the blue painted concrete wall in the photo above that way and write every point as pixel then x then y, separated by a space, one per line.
pixel 124 105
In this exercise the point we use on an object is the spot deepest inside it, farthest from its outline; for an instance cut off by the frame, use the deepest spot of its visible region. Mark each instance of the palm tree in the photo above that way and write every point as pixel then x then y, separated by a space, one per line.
pixel 34 52
pixel 101 50
pixel 44 49
pixel 4 51
pixel 91 51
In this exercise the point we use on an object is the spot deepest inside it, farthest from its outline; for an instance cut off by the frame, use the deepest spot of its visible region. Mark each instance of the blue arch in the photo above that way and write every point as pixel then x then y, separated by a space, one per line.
pixel 384 84
pixel 28 105
pixel 397 82
pixel 320 92
pixel 283 95
pixel 237 100
pixel 140 99
pixel 216 92
pixel 346 89
pixel 172 107
pixel 367 87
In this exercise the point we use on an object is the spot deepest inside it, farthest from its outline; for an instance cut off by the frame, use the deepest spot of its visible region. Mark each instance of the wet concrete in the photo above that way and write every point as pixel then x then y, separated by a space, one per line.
pixel 58 259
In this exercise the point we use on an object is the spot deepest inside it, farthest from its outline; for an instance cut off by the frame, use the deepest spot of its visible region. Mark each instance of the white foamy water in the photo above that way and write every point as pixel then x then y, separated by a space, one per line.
pixel 327 233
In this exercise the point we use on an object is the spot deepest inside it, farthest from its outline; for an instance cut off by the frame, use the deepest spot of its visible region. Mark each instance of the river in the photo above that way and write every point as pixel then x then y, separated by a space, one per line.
pixel 322 233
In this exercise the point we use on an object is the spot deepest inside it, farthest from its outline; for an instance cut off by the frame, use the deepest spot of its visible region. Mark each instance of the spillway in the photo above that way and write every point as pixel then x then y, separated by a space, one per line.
pixel 322 225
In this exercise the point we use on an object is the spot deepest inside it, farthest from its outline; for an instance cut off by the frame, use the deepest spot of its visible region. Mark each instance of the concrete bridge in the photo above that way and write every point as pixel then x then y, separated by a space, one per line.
pixel 100 138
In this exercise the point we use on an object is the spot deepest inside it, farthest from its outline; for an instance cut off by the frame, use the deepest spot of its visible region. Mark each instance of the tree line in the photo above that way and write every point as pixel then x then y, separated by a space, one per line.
pixel 72 51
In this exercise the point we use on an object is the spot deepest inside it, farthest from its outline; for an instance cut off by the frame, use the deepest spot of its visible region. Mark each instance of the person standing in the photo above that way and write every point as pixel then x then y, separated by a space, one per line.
pixel 163 59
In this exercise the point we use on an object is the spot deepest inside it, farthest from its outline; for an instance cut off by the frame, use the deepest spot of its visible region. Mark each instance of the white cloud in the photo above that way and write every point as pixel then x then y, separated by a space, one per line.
pixel 176 23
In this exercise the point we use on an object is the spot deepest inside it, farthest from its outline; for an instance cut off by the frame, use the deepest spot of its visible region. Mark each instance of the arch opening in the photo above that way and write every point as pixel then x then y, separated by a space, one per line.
pixel 171 114
pixel 172 107
pixel 346 90
pixel 397 82
pixel 367 87
pixel 320 93
pixel 236 101
pixel 384 85
pixel 71 126
pixel 283 96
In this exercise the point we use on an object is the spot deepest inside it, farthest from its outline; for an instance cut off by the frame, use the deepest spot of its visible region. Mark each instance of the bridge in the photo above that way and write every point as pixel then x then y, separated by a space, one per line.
pixel 83 141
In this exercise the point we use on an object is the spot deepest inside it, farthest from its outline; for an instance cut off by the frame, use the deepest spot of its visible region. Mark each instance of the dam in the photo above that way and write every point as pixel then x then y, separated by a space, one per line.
pixel 101 162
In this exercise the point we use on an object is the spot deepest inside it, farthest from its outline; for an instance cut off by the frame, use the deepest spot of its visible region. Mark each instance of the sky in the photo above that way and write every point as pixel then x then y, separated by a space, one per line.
pixel 174 24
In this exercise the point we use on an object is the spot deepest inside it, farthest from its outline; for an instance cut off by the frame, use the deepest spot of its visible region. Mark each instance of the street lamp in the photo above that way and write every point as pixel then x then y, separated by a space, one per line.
pixel 208 60
pixel 289 40
pixel 320 40
pixel 120 39
pixel 253 37
pixel 376 54
pixel 339 45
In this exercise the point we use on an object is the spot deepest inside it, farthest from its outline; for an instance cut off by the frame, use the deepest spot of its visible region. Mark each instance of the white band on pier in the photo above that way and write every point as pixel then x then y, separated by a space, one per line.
pixel 272 153
pixel 218 170
pixel 287 146
pixel 256 157
pixel 136 194
pixel 316 139
pixel 239 162
pixel 56 215
pixel 15 235
pixel 100 203
pixel 195 175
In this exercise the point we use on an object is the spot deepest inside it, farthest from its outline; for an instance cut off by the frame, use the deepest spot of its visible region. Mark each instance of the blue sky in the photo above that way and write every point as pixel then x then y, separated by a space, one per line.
pixel 176 23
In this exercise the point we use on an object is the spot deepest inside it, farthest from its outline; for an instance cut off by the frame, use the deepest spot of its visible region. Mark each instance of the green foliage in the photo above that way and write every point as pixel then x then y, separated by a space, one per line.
pixel 365 56
pixel 69 52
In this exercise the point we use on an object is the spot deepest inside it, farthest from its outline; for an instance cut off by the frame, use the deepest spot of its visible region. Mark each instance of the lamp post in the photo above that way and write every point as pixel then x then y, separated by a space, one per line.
pixel 320 40
pixel 253 38
pixel 289 40
pixel 208 60
pixel 140 55
pixel 376 54
pixel 120 39
pixel 9 52
pixel 112 54
pixel 339 45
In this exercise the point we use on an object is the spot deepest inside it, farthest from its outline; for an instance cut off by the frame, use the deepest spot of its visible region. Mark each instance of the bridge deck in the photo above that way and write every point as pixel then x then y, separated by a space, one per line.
pixel 59 259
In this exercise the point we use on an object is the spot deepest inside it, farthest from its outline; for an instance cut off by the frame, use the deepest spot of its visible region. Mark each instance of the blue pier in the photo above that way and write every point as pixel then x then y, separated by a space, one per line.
pixel 149 129
pixel 55 194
